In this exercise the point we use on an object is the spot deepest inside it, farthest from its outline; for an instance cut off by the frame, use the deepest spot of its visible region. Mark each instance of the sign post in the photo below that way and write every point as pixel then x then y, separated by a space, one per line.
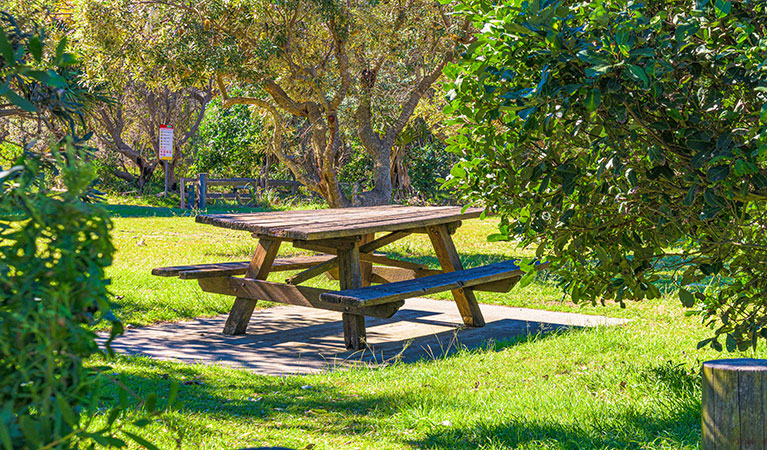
pixel 166 150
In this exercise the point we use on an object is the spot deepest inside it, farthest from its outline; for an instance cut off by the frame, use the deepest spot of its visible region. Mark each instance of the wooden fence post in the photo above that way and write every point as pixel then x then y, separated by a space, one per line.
pixel 203 190
pixel 734 406
pixel 182 192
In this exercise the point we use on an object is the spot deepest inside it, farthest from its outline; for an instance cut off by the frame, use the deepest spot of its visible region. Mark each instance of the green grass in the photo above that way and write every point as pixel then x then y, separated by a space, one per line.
pixel 635 386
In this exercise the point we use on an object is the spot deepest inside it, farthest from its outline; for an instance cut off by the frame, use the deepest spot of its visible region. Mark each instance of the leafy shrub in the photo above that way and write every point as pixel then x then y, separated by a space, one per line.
pixel 54 247
pixel 54 250
pixel 229 143
pixel 427 164
pixel 625 139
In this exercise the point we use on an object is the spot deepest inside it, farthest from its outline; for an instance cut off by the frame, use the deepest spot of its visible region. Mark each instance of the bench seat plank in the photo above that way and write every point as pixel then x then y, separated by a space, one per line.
pixel 197 271
pixel 391 292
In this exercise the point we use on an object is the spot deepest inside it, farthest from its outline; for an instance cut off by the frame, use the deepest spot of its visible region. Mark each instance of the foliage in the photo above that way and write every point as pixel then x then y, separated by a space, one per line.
pixel 54 247
pixel 427 163
pixel 231 142
pixel 41 85
pixel 625 139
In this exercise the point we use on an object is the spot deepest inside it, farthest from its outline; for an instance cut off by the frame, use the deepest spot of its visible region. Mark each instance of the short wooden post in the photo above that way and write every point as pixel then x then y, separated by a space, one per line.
pixel 203 190
pixel 734 406
pixel 182 193
pixel 192 193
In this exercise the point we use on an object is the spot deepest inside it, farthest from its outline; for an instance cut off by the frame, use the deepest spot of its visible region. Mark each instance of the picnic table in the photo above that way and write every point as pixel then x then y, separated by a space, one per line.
pixel 346 240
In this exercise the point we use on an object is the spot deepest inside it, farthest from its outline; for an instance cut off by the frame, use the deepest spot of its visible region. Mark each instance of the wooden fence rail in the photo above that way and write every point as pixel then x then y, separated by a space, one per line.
pixel 243 189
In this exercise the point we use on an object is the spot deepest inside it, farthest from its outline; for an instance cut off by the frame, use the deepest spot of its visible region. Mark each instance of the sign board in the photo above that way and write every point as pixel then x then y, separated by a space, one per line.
pixel 166 142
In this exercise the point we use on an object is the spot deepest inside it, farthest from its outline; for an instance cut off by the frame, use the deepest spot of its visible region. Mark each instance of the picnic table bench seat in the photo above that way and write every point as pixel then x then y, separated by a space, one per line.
pixel 215 270
pixel 498 277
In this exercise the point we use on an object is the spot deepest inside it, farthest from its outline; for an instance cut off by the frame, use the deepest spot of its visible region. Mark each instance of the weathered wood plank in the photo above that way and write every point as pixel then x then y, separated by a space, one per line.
pixel 319 224
pixel 383 293
pixel 366 268
pixel 383 241
pixel 376 258
pixel 450 262
pixel 497 286
pixel 312 272
pixel 383 274
pixel 289 295
pixel 282 219
pixel 195 271
pixel 396 223
pixel 260 265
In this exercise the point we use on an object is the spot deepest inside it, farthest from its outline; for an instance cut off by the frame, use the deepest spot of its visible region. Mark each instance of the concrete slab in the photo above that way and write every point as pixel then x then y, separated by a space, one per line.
pixel 291 339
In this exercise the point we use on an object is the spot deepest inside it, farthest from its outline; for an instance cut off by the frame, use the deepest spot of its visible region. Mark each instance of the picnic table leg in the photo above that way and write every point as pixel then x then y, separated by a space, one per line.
pixel 350 277
pixel 260 265
pixel 366 268
pixel 450 262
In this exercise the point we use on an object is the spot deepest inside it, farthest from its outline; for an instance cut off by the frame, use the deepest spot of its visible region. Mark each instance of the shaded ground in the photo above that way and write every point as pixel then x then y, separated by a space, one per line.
pixel 293 339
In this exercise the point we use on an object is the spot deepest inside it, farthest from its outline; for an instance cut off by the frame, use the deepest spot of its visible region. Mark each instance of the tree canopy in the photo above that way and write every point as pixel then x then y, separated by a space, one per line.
pixel 327 72
pixel 628 140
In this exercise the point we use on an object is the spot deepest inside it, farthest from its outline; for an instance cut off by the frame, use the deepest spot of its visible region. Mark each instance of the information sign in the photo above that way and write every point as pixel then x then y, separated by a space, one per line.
pixel 166 142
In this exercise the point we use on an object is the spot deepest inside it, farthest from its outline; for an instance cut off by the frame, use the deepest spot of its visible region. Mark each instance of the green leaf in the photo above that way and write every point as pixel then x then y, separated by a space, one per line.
pixel 5 48
pixel 151 402
pixel 5 437
pixel 19 101
pixel 108 441
pixel 722 7
pixel 688 300
pixel 30 431
pixel 704 343
pixel 717 173
pixel 141 441
pixel 60 50
pixel 689 199
pixel 731 343
pixel 113 415
pixel 66 411
pixel 36 48
pixel 458 171
pixel 638 74
pixel 593 99
pixel 497 237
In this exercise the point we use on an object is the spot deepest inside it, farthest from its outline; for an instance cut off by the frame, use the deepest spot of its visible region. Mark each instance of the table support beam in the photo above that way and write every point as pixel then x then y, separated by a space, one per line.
pixel 450 262
pixel 260 265
pixel 350 277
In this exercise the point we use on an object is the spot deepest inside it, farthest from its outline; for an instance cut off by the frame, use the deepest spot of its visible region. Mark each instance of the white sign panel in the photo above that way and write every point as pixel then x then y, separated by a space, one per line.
pixel 166 142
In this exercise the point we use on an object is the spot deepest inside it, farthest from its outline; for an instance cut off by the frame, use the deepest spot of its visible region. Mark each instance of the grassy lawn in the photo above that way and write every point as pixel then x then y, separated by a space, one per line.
pixel 635 386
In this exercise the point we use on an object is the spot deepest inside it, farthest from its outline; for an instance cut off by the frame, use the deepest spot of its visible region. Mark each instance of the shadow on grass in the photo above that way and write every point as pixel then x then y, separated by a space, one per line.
pixel 625 430
pixel 240 393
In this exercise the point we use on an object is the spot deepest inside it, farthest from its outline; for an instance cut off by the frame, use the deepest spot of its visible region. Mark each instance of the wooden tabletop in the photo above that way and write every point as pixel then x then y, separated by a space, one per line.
pixel 340 222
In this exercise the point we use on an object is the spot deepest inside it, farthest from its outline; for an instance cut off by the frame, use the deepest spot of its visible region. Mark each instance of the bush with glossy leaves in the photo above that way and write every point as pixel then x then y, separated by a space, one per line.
pixel 628 140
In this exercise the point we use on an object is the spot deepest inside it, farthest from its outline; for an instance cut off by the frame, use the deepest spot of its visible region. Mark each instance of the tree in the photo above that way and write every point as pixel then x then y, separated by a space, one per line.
pixel 629 142
pixel 130 125
pixel 327 71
